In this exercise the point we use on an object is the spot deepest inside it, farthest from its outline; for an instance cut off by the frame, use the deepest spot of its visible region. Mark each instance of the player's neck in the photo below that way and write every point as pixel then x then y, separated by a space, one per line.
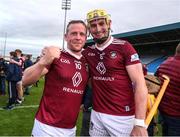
pixel 76 54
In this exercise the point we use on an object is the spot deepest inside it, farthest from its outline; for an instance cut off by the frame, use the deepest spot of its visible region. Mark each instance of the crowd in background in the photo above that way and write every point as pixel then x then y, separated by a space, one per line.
pixel 11 72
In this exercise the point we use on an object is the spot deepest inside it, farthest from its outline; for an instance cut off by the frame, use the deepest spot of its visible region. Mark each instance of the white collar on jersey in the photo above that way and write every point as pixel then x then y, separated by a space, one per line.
pixel 74 55
pixel 106 45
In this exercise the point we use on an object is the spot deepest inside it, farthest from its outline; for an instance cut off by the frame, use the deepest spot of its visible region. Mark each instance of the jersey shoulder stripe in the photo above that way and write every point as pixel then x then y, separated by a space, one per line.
pixel 118 41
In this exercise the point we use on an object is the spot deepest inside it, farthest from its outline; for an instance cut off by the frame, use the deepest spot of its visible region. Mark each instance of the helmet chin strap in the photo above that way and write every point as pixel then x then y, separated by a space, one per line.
pixel 101 40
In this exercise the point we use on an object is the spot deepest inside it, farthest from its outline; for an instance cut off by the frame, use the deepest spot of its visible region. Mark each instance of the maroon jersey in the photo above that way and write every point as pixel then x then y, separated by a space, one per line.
pixel 64 87
pixel 112 87
pixel 170 103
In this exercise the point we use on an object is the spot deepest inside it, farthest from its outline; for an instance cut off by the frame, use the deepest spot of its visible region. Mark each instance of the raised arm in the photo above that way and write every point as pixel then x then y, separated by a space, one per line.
pixel 33 73
pixel 140 90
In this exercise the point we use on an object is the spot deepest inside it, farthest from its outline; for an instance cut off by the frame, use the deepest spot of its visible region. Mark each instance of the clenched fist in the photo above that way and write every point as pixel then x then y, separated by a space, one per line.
pixel 48 54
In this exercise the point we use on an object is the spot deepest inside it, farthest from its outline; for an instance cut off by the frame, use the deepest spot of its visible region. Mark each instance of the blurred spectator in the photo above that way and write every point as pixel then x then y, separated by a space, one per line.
pixel 3 69
pixel 27 63
pixel 20 63
pixel 145 70
pixel 13 76
pixel 170 105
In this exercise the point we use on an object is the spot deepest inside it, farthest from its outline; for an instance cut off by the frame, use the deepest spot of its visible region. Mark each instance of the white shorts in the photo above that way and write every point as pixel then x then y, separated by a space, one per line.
pixel 110 125
pixel 42 130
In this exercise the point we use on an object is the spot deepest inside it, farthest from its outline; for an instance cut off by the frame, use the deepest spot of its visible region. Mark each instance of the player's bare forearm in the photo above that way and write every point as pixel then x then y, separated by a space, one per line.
pixel 140 101
pixel 140 96
pixel 140 110
pixel 33 73
pixel 140 90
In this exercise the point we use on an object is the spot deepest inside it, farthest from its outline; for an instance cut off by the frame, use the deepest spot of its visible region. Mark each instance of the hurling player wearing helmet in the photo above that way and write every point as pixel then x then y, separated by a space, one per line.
pixel 118 85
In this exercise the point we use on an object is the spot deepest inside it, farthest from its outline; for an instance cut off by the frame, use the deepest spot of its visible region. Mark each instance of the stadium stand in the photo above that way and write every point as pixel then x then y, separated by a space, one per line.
pixel 153 65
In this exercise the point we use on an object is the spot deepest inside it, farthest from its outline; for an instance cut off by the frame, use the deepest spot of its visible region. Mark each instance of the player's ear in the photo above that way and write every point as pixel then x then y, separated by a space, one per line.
pixel 65 37
pixel 109 23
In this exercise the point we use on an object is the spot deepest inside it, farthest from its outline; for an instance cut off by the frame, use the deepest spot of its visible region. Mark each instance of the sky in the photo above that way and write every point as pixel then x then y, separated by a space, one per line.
pixel 32 24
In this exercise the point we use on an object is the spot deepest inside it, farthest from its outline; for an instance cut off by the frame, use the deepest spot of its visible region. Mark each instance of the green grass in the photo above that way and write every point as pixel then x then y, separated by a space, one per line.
pixel 19 121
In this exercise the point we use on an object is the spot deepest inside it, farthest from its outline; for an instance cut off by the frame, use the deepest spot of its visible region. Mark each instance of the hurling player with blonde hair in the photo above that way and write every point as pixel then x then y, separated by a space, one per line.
pixel 119 89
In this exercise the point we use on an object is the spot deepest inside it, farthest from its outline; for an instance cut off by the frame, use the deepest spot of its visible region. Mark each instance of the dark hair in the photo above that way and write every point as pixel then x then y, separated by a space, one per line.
pixel 13 53
pixel 18 50
pixel 28 56
pixel 76 22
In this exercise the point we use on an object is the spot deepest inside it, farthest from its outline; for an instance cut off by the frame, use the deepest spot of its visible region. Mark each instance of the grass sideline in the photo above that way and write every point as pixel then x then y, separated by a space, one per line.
pixel 19 121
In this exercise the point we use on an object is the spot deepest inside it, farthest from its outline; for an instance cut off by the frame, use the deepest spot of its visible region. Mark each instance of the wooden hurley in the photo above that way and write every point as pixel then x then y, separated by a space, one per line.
pixel 157 101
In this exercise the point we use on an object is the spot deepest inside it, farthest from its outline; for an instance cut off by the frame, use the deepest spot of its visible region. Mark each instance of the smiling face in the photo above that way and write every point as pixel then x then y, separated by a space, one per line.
pixel 99 29
pixel 76 36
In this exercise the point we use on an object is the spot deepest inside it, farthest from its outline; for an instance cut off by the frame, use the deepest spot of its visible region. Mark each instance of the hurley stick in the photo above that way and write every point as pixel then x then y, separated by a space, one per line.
pixel 157 101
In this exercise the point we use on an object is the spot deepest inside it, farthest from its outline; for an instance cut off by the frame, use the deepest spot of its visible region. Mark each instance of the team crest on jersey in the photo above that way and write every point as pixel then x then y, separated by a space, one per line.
pixel 101 68
pixel 134 57
pixel 113 54
pixel 76 79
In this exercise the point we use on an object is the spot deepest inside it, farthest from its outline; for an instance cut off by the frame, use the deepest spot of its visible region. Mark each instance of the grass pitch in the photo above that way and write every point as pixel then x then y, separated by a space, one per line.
pixel 19 121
